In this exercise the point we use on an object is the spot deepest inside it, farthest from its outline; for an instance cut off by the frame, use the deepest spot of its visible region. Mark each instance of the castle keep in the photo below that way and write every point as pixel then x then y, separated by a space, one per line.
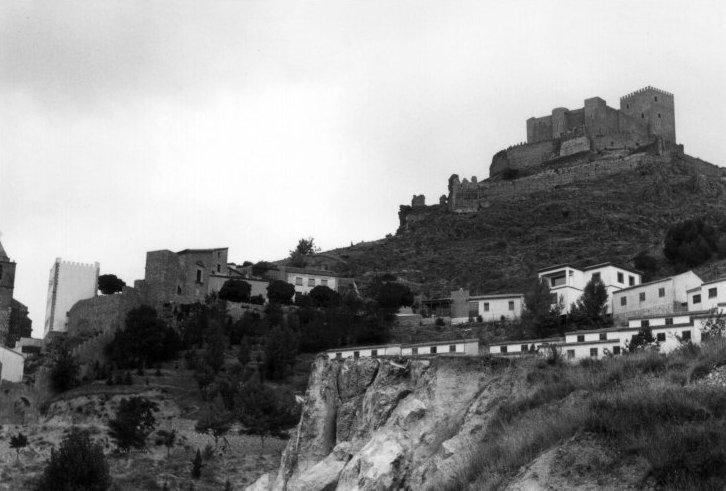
pixel 645 117
pixel 7 284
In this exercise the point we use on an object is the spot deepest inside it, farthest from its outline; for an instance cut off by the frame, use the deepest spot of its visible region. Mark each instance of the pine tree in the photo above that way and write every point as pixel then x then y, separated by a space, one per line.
pixel 76 464
pixel 197 465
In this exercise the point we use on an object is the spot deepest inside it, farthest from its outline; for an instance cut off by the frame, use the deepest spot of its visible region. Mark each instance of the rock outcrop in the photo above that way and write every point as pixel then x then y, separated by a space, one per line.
pixel 383 424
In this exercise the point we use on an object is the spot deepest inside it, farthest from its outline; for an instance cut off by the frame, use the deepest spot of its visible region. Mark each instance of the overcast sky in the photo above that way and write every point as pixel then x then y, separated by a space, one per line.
pixel 128 126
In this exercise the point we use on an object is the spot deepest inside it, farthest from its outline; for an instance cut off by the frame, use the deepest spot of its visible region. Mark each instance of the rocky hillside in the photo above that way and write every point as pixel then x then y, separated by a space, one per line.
pixel 642 421
pixel 500 246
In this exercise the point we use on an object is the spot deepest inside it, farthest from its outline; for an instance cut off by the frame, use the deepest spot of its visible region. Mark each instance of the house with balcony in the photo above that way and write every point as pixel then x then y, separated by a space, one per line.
pixel 567 283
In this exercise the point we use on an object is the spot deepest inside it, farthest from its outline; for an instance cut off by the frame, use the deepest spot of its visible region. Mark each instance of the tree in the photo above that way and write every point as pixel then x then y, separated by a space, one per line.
pixel 642 340
pixel 280 353
pixel 265 411
pixel 243 352
pixel 393 295
pixel 168 439
pixel 324 297
pixel 262 267
pixel 591 308
pixel 64 372
pixel 235 291
pixel 281 292
pixel 541 315
pixel 690 243
pixel 216 346
pixel 197 465
pixel 78 464
pixel 20 325
pixel 216 420
pixel 133 423
pixel 306 247
pixel 647 264
pixel 145 340
pixel 18 442
pixel 109 284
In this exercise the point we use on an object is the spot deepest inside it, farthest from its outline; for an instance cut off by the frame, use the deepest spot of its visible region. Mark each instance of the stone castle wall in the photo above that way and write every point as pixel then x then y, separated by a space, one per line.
pixel 465 197
pixel 101 314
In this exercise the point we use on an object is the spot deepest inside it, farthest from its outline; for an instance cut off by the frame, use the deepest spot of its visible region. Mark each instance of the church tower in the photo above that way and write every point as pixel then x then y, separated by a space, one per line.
pixel 7 284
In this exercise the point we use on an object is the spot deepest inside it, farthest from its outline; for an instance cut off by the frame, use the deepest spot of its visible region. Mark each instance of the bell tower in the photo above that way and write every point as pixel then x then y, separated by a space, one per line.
pixel 7 284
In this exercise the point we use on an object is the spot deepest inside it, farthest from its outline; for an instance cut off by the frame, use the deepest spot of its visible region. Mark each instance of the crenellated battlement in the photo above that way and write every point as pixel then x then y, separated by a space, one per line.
pixel 648 88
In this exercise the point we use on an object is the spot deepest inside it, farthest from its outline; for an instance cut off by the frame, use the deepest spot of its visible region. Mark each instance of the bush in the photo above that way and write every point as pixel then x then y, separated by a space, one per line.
pixel 133 423
pixel 145 340
pixel 280 292
pixel 235 291
pixel 78 464
pixel 64 372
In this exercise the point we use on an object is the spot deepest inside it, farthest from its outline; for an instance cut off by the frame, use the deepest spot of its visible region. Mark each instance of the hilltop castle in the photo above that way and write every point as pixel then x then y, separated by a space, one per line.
pixel 645 117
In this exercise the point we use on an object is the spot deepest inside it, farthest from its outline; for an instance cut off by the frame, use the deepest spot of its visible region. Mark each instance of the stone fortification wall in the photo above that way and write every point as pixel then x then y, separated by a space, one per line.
pixel 523 156
pixel 464 197
pixel 704 167
pixel 102 314
pixel 575 145
pixel 92 351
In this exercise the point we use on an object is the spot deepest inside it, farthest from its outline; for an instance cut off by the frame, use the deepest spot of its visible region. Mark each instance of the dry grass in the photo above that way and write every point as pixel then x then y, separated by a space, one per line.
pixel 640 403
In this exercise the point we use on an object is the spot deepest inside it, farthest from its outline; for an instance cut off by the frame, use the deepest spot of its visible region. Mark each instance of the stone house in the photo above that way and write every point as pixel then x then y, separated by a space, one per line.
pixel 567 283
pixel 664 296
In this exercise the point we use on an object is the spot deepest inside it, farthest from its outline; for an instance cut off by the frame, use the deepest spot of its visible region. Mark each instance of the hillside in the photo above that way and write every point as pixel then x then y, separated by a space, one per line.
pixel 529 423
pixel 500 247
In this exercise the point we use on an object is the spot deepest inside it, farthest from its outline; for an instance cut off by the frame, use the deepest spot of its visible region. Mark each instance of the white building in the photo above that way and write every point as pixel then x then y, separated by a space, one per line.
pixel 494 307
pixel 11 365
pixel 305 279
pixel 523 347
pixel 659 297
pixel 567 283
pixel 69 282
pixel 707 296
pixel 457 347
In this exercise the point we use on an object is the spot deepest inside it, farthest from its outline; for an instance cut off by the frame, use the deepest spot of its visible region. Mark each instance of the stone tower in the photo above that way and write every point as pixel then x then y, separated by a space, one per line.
pixel 654 108
pixel 7 284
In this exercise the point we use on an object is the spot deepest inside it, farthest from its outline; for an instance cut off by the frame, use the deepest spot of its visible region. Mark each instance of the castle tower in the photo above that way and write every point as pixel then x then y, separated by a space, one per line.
pixel 654 108
pixel 7 284
pixel 69 282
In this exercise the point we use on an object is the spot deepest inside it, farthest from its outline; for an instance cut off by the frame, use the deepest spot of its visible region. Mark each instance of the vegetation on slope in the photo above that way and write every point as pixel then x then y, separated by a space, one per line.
pixel 645 405
pixel 502 246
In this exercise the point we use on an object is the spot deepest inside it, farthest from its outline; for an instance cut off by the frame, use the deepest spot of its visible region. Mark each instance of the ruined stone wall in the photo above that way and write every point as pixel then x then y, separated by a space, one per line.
pixel 575 145
pixel 529 155
pixel 101 314
pixel 704 167
pixel 467 199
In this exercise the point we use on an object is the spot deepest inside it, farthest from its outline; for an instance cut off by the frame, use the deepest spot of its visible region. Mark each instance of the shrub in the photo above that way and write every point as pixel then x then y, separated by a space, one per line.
pixel 133 423
pixel 197 465
pixel 78 464
pixel 235 291
pixel 281 292
pixel 64 372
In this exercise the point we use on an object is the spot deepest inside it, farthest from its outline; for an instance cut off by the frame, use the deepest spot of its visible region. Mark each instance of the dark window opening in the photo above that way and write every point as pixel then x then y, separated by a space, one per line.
pixel 655 98
pixel 696 298
pixel 374 353
pixel 452 348
pixel 603 336
pixel 642 116
pixel 712 292
pixel 570 353
pixel 433 350
pixel 669 321
pixel 661 292
pixel 686 335
pixel 414 351
pixel 356 354
pixel 623 301
pixel 641 296
pixel 658 115
pixel 199 276
pixel 339 356
pixel 616 350
pixel 219 268
pixel 178 290
pixel 596 277
pixel 621 278
pixel 593 351
pixel 524 348
pixel 580 338
pixel 644 323
pixel 511 305
pixel 660 337
pixel 631 281
pixel 504 349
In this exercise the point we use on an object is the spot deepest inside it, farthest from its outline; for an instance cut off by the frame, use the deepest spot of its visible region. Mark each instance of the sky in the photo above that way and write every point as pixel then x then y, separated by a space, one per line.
pixel 134 125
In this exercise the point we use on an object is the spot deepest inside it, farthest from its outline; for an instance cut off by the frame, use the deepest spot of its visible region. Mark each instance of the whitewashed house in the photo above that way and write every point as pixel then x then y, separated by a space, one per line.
pixel 468 347
pixel 12 364
pixel 567 283
pixel 707 296
pixel 365 351
pixel 523 347
pixel 494 307
pixel 659 297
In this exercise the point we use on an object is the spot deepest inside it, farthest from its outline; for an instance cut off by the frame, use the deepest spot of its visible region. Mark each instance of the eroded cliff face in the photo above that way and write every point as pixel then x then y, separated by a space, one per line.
pixel 381 424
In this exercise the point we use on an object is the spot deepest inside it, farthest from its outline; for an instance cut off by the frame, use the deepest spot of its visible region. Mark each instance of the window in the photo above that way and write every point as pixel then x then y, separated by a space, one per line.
pixel 621 278
pixel 452 348
pixel 473 309
pixel 658 115
pixel 486 306
pixel 219 268
pixel 570 354
pixel 603 336
pixel 661 292
pixel 641 296
pixel 558 281
pixel 696 298
pixel 1 271
pixel 511 305
pixel 311 281
pixel 655 98
pixel 580 338
pixel 642 115
pixel 660 337
pixel 712 292
pixel 324 282
pixel 627 106
pixel 596 277
pixel 686 335
pixel 669 321
pixel 593 352
pixel 356 354
pixel 616 350
pixel 644 323
pixel 339 356
pixel 414 351
pixel 178 290
pixel 298 281
pixel 433 350
pixel 631 280
pixel 523 348
pixel 199 276
pixel 623 301
pixel 503 349
pixel 374 353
